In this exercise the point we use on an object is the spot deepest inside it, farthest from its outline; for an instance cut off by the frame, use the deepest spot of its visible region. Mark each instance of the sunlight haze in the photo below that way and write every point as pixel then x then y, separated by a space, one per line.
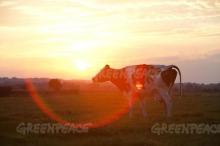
pixel 74 39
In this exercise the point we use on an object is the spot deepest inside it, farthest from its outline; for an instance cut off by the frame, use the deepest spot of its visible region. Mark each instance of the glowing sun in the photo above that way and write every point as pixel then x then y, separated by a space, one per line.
pixel 82 65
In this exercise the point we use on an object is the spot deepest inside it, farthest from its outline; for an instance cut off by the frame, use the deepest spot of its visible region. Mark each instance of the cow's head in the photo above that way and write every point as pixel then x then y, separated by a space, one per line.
pixel 101 76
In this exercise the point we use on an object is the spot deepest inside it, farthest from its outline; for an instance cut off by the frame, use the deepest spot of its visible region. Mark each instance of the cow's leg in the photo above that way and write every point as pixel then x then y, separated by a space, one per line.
pixel 168 103
pixel 131 107
pixel 164 109
pixel 170 88
pixel 159 98
pixel 142 105
pixel 169 108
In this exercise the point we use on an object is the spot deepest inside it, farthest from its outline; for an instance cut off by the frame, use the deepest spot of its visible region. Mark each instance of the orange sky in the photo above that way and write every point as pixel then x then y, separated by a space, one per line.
pixel 74 39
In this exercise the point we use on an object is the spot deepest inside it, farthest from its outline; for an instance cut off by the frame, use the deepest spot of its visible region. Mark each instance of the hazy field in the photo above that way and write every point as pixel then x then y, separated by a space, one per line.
pixel 92 107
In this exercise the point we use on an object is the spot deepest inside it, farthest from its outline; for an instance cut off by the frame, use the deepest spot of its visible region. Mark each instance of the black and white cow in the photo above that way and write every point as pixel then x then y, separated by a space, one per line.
pixel 143 81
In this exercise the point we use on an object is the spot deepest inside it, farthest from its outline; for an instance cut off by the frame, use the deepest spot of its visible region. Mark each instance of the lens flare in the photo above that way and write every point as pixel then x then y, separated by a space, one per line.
pixel 38 99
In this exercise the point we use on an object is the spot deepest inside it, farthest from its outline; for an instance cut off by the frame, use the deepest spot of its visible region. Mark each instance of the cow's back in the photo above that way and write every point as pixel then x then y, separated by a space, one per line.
pixel 145 78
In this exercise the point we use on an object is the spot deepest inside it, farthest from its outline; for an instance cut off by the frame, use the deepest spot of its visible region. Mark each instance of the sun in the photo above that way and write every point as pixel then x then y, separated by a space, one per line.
pixel 82 65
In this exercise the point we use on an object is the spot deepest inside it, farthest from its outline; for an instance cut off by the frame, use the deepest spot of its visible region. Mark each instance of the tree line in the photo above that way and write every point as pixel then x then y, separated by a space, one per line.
pixel 55 86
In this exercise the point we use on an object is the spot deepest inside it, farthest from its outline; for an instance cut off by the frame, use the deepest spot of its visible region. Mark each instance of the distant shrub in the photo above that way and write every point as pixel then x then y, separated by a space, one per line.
pixel 5 91
pixel 55 84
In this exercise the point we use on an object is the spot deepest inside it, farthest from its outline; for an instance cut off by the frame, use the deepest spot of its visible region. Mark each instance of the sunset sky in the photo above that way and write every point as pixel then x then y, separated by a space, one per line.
pixel 74 39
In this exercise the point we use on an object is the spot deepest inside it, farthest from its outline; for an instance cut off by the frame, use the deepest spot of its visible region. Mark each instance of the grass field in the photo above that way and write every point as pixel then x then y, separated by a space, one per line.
pixel 93 107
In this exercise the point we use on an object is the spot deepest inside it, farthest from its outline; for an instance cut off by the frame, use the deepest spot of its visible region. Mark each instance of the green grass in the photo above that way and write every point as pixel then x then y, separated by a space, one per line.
pixel 93 107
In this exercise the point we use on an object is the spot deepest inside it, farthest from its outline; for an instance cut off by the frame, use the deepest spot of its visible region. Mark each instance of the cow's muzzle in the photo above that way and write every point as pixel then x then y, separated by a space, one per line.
pixel 94 79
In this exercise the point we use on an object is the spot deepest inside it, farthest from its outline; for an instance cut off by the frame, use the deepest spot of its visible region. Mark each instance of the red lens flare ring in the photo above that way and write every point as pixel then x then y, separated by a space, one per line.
pixel 37 98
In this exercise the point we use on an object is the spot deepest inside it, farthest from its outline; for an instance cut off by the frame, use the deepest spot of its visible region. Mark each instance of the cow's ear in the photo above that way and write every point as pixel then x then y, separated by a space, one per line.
pixel 107 66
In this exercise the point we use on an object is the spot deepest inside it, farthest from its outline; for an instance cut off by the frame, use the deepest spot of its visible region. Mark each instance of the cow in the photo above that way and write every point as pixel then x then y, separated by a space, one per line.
pixel 140 81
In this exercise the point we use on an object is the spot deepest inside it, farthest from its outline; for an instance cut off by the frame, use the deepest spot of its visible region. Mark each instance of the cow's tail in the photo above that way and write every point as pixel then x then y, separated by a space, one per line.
pixel 180 90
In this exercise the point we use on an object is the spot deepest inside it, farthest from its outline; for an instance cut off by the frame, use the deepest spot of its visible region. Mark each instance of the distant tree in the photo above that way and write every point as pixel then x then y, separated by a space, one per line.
pixel 23 86
pixel 5 91
pixel 188 87
pixel 175 89
pixel 55 84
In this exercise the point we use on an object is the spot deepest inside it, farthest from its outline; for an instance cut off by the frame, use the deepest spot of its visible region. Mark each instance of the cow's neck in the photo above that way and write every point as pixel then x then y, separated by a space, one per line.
pixel 119 81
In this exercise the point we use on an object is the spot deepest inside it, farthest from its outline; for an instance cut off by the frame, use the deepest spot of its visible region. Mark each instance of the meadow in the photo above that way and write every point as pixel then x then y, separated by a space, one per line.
pixel 94 107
